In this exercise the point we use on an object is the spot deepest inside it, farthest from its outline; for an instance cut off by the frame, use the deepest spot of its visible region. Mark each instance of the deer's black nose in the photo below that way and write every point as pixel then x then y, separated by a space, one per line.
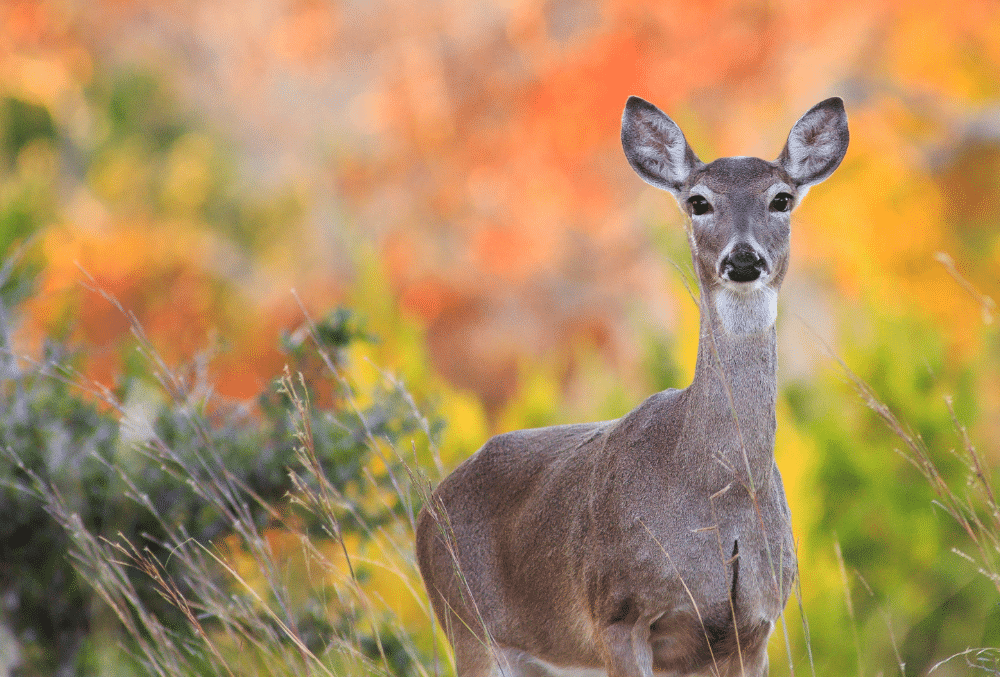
pixel 742 264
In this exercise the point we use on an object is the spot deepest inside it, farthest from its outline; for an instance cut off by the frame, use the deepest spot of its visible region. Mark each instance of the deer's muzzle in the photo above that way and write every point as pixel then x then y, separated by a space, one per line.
pixel 742 264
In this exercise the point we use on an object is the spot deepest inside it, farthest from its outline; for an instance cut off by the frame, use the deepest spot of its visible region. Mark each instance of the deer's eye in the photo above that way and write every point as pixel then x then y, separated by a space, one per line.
pixel 699 205
pixel 782 202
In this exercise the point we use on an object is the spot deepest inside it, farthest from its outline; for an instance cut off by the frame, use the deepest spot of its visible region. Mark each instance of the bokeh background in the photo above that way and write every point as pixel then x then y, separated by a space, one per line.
pixel 451 171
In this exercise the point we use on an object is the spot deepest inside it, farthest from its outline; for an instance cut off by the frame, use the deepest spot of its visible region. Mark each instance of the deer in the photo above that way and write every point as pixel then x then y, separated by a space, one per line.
pixel 659 543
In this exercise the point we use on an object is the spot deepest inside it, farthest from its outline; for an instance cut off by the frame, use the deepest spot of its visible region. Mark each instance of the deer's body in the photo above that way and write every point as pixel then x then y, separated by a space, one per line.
pixel 659 542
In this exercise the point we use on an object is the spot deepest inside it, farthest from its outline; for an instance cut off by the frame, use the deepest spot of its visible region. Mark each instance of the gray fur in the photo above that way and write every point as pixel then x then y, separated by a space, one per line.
pixel 660 541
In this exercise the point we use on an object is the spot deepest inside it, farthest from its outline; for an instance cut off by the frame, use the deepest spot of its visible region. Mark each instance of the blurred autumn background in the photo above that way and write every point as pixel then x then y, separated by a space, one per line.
pixel 450 175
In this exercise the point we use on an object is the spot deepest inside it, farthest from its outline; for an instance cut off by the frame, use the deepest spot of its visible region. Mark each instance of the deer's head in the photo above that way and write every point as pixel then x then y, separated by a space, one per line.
pixel 739 207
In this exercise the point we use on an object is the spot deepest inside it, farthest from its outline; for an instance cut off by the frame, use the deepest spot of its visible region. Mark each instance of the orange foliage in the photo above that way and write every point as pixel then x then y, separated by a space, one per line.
pixel 161 274
pixel 478 145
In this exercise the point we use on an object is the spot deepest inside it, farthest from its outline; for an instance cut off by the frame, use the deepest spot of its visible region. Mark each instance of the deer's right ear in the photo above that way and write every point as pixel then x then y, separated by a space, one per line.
pixel 655 146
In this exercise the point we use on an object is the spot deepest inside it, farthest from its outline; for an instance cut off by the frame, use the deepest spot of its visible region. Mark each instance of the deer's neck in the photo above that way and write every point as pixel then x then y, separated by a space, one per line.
pixel 734 390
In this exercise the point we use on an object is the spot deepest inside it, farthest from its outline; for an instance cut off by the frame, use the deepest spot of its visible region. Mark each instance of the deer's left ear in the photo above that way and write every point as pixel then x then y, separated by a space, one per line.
pixel 817 143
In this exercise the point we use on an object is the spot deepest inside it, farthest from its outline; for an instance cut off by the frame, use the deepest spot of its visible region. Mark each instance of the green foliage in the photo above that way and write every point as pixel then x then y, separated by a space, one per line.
pixel 154 157
pixel 159 462
pixel 50 433
pixel 878 505
pixel 661 364
pixel 22 122
pixel 160 467
pixel 138 106
pixel 28 174
pixel 336 331
pixel 121 511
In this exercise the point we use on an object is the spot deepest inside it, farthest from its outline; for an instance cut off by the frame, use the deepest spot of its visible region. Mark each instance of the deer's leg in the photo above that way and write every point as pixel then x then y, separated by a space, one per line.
pixel 473 655
pixel 754 664
pixel 474 661
pixel 627 652
pixel 478 656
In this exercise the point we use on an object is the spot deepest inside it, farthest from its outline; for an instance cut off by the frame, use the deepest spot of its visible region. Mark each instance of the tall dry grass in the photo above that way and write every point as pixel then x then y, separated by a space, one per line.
pixel 298 592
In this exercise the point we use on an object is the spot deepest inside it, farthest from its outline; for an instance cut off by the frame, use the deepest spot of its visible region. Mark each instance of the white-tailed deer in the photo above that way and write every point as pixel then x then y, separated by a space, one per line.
pixel 658 543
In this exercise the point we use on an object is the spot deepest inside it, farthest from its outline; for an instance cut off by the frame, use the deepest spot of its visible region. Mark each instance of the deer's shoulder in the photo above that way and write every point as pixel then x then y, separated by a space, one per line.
pixel 656 423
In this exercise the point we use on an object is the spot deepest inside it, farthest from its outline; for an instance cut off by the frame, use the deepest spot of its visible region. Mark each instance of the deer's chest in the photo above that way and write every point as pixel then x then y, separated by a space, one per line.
pixel 706 555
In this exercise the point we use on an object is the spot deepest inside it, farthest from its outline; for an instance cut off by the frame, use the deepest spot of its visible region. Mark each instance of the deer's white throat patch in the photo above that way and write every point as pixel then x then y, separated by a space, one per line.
pixel 749 311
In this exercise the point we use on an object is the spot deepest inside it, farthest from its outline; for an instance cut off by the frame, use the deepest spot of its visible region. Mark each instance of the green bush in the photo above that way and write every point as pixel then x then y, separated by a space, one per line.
pixel 125 496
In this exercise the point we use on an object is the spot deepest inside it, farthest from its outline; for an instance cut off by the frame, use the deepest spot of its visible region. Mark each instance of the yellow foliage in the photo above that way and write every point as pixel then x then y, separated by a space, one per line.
pixel 467 427
pixel 393 582
pixel 537 401
pixel 932 45
pixel 188 173
pixel 796 456
pixel 122 174
pixel 688 328
pixel 38 160
pixel 487 196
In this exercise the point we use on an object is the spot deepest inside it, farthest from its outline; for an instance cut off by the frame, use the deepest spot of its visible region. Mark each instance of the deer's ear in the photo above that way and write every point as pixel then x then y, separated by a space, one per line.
pixel 655 146
pixel 817 143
